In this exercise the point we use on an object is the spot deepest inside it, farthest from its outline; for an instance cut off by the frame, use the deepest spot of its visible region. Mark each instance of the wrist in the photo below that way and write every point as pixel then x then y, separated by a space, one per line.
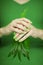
pixel 35 32
pixel 40 35
pixel 1 32
pixel 4 31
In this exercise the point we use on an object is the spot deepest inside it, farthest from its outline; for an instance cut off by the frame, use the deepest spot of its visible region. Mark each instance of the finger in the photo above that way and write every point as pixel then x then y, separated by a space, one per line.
pixel 26 20
pixel 21 27
pixel 26 36
pixel 19 36
pixel 17 30
pixel 24 24
pixel 16 35
pixel 22 21
pixel 27 25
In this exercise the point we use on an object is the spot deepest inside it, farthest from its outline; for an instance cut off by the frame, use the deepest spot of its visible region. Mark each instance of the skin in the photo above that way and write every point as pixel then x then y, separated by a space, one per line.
pixel 21 1
pixel 34 32
pixel 18 25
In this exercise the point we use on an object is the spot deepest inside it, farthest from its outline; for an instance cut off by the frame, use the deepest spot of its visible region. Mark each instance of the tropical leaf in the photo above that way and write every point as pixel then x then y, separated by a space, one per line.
pixel 15 51
pixel 19 52
pixel 25 52
pixel 10 53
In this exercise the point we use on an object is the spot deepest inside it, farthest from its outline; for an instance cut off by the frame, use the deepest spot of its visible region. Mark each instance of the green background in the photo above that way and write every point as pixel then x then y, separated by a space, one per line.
pixel 9 11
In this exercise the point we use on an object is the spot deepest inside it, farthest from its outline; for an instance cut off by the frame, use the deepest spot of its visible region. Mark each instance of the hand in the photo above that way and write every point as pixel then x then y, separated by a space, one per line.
pixel 21 37
pixel 34 32
pixel 18 25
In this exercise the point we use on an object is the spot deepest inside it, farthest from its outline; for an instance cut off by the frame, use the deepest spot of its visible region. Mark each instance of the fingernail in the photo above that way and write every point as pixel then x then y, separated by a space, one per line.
pixel 15 39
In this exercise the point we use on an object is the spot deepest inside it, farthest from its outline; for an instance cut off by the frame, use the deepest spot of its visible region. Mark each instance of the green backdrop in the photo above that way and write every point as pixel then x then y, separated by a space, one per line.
pixel 9 11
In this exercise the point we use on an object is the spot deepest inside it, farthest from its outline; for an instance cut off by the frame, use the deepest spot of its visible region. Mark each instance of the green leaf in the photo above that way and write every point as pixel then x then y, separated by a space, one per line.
pixel 23 14
pixel 19 52
pixel 15 51
pixel 27 55
pixel 25 52
pixel 10 53
pixel 19 55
